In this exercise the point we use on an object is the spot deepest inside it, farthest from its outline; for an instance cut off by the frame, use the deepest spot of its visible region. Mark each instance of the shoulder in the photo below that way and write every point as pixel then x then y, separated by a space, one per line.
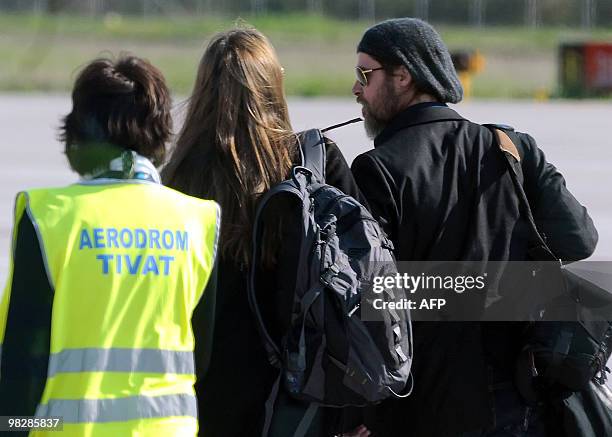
pixel 333 155
pixel 43 200
pixel 368 164
pixel 331 149
pixel 175 196
pixel 500 126
pixel 368 158
pixel 338 173
pixel 512 132
pixel 524 142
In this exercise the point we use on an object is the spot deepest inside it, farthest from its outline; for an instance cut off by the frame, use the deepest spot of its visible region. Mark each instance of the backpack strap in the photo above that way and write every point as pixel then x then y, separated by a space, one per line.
pixel 312 150
pixel 306 421
pixel 272 350
pixel 269 406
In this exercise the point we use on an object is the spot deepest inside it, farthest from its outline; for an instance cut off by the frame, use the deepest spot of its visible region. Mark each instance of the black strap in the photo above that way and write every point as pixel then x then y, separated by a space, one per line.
pixel 312 147
pixel 294 186
pixel 560 351
pixel 269 407
pixel 539 250
pixel 336 126
pixel 312 150
pixel 272 349
pixel 306 421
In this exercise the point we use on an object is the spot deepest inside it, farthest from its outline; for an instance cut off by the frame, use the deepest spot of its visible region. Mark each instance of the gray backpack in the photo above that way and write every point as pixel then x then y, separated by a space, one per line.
pixel 329 356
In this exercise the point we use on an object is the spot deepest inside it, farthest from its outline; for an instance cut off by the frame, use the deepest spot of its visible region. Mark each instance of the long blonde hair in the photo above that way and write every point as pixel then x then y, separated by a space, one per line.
pixel 237 140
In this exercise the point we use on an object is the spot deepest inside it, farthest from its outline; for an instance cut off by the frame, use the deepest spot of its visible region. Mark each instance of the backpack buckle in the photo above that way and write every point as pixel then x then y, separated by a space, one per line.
pixel 330 274
pixel 328 230
pixel 300 170
pixel 387 243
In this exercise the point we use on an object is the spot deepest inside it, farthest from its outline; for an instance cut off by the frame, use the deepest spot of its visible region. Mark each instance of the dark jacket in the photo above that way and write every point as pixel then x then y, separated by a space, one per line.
pixel 441 190
pixel 232 396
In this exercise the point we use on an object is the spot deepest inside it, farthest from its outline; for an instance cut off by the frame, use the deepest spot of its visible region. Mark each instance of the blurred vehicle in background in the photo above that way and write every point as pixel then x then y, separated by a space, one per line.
pixel 585 69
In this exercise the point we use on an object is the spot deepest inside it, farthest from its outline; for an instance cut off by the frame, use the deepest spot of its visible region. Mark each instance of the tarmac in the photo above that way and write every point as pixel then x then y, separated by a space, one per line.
pixel 574 135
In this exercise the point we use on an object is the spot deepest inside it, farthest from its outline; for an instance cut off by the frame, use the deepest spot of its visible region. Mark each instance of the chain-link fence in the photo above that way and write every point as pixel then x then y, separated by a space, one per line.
pixel 572 13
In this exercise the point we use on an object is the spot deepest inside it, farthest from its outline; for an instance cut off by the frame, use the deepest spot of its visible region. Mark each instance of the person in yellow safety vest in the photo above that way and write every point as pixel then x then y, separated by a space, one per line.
pixel 112 284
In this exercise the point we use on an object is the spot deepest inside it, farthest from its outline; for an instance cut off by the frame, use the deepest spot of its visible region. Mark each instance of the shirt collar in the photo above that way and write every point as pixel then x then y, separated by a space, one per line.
pixel 130 165
pixel 420 113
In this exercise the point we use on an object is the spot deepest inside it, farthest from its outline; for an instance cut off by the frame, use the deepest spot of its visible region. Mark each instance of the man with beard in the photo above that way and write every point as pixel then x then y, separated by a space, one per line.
pixel 442 192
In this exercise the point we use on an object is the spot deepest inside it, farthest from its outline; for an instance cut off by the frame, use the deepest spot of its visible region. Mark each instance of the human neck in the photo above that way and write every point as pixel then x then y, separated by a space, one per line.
pixel 423 98
pixel 418 98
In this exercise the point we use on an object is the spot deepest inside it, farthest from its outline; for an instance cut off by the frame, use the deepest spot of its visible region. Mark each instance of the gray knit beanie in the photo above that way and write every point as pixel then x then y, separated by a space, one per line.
pixel 416 45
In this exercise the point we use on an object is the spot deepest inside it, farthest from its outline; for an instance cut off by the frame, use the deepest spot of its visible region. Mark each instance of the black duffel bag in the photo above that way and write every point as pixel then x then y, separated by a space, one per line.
pixel 586 413
pixel 568 339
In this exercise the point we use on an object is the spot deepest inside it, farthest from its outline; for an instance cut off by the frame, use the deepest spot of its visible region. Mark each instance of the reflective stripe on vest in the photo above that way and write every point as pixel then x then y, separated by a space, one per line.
pixel 121 360
pixel 119 409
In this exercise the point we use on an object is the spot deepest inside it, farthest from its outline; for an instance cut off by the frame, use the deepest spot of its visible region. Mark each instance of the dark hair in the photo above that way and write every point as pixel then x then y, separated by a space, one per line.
pixel 124 103
pixel 237 140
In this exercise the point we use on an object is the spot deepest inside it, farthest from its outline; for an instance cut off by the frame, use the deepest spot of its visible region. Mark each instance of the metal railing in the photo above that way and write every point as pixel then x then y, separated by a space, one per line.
pixel 531 13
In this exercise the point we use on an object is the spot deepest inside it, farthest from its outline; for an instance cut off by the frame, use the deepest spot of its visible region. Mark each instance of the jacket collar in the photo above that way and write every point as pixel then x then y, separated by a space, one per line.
pixel 420 113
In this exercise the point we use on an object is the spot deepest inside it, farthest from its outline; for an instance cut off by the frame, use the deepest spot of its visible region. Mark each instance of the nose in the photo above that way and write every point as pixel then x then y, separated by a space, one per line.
pixel 357 89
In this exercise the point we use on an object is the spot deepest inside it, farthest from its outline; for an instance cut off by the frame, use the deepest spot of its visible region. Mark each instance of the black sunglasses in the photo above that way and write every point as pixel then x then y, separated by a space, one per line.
pixel 361 74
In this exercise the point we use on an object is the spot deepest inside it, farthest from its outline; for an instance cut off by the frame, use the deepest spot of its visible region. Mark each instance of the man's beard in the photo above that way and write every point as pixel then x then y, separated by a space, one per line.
pixel 376 117
pixel 373 125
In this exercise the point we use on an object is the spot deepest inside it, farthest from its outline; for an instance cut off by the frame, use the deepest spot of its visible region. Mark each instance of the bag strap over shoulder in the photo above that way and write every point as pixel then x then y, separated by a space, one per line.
pixel 507 145
pixel 312 150
pixel 512 158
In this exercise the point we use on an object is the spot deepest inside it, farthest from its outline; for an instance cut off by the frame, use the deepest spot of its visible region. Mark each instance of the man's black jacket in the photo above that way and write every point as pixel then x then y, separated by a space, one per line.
pixel 440 188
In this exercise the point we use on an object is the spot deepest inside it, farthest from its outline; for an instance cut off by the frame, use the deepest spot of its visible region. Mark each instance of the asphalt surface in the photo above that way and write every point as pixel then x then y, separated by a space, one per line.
pixel 574 135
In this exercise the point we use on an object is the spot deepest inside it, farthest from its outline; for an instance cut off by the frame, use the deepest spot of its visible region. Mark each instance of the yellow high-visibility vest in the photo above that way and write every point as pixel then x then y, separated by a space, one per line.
pixel 128 262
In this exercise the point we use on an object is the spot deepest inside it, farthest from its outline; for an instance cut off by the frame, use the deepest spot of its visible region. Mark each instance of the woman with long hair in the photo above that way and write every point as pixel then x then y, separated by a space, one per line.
pixel 236 143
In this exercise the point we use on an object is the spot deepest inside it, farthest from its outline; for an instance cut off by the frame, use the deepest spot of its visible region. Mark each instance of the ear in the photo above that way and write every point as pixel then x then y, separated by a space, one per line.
pixel 403 78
